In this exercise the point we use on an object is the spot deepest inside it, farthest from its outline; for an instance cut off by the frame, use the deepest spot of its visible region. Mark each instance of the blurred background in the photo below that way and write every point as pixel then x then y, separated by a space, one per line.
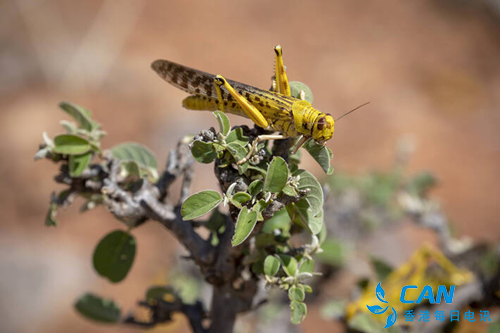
pixel 431 70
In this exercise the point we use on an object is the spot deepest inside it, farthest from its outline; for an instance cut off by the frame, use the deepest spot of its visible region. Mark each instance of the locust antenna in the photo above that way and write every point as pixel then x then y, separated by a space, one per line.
pixel 345 114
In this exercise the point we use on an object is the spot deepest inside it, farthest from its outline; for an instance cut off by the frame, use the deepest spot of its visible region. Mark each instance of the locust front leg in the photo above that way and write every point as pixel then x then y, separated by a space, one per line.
pixel 282 85
pixel 251 111
pixel 256 142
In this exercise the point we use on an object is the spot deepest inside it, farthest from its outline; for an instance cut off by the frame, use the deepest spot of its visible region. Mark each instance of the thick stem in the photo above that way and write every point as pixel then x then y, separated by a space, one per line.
pixel 224 310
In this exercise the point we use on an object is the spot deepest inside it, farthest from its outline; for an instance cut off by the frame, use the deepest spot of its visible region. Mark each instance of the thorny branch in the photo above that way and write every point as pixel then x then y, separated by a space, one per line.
pixel 145 201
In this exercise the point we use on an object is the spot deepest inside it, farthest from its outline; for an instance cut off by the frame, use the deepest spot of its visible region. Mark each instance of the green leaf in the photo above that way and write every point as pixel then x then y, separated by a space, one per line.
pixel 265 240
pixel 289 264
pixel 271 265
pixel 199 204
pixel 237 151
pixel 322 155
pixel 140 154
pixel 307 266
pixel 296 87
pixel 280 220
pixel 156 292
pixel 237 136
pixel 296 294
pixel 381 267
pixel 322 234
pixel 298 312
pixel 334 253
pixel 69 126
pixel 223 121
pixel 259 207
pixel 421 183
pixel 132 169
pixel 68 144
pixel 78 163
pixel 494 326
pixel 244 226
pixel 255 187
pixel 366 323
pixel 42 153
pixel 215 221
pixel 277 175
pixel 315 196
pixel 98 309
pixel 114 255
pixel 203 152
pixel 240 198
pixel 263 172
pixel 50 218
pixel 333 309
pixel 304 216
pixel 80 114
pixel 288 190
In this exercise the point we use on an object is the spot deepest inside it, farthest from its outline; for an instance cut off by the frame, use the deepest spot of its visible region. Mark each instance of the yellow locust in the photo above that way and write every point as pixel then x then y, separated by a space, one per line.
pixel 273 110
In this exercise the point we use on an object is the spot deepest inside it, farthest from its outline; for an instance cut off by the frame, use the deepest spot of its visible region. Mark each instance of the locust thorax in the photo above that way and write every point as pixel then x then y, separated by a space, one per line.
pixel 312 123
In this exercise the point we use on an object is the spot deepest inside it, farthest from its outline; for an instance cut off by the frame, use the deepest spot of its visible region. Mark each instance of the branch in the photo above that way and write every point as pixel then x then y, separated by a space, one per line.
pixel 147 202
pixel 162 311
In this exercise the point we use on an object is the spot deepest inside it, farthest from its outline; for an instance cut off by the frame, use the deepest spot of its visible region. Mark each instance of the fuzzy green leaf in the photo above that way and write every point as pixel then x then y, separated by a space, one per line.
pixel 255 187
pixel 289 264
pixel 289 190
pixel 298 312
pixel 277 175
pixel 78 163
pixel 334 253
pixel 236 135
pixel 199 204
pixel 304 216
pixel 296 87
pixel 240 198
pixel 259 207
pixel 98 309
pixel 296 294
pixel 271 265
pixel 280 220
pixel 315 196
pixel 382 268
pixel 244 226
pixel 321 154
pixel 114 255
pixel 50 218
pixel 307 266
pixel 80 114
pixel 140 154
pixel 215 221
pixel 223 120
pixel 237 151
pixel 203 152
pixel 68 144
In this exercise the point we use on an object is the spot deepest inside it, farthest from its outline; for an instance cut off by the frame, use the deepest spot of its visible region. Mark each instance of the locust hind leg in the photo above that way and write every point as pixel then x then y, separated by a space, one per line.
pixel 281 84
pixel 251 111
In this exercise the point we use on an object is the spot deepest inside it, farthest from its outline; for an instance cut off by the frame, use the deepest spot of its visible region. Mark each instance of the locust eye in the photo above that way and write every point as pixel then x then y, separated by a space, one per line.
pixel 321 123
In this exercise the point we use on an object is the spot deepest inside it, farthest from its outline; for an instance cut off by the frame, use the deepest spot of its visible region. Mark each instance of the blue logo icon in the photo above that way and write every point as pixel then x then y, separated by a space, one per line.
pixel 378 310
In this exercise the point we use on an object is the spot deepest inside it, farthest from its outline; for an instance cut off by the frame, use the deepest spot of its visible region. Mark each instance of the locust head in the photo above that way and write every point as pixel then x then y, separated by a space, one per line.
pixel 323 128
